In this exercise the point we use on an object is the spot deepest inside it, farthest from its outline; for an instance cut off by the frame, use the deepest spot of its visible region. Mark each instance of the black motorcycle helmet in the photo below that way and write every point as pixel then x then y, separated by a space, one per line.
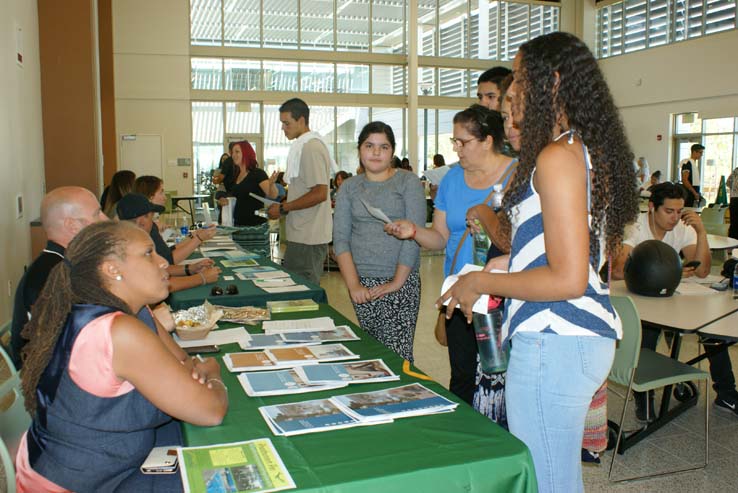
pixel 653 269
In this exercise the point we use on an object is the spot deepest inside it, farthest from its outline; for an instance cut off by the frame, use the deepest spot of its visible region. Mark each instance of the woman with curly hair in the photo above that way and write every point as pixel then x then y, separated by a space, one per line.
pixel 102 385
pixel 567 208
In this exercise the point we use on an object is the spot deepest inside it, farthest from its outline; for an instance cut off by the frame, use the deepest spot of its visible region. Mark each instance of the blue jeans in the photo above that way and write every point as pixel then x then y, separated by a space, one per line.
pixel 550 382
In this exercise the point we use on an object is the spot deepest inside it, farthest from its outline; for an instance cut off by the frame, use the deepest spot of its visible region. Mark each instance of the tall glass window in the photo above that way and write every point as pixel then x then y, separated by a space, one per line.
pixel 633 25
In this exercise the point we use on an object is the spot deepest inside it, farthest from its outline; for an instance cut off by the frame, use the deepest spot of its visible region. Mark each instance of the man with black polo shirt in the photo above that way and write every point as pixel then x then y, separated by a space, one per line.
pixel 690 169
pixel 64 212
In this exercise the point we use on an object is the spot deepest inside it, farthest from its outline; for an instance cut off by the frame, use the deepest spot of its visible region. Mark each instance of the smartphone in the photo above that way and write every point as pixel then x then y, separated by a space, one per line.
pixel 161 460
pixel 693 263
pixel 202 349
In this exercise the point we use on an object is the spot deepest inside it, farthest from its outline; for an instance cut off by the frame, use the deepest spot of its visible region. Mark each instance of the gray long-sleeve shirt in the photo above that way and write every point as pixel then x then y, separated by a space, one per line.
pixel 375 253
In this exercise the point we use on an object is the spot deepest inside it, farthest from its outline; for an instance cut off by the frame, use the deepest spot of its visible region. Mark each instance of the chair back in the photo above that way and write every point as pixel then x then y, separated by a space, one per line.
pixel 628 348
pixel 713 215
pixel 14 419
pixel 8 467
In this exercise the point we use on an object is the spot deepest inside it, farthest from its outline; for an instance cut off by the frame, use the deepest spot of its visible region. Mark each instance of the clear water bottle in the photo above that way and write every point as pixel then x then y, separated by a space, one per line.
pixel 488 331
pixel 480 245
pixel 735 282
pixel 497 195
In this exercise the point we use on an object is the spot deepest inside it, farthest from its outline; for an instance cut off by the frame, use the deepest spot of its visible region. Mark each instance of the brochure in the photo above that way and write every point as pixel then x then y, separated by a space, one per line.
pixel 241 467
pixel 298 325
pixel 256 361
pixel 267 202
pixel 239 263
pixel 308 354
pixel 369 371
pixel 216 337
pixel 286 357
pixel 277 282
pixel 287 306
pixel 254 268
pixel 286 289
pixel 376 212
pixel 398 402
pixel 275 274
pixel 241 255
pixel 341 333
pixel 307 417
pixel 281 382
pixel 268 341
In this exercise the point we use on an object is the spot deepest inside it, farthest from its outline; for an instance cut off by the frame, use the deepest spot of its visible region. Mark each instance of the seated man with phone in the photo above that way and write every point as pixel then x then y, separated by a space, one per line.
pixel 667 221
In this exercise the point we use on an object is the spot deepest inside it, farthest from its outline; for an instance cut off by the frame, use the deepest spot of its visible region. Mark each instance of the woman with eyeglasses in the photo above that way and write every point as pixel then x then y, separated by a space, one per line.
pixel 478 139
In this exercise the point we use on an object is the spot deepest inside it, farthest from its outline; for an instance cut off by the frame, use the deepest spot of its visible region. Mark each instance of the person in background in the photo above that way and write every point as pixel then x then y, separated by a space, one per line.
pixel 683 230
pixel 138 210
pixel 691 175
pixel 65 211
pixel 249 179
pixel 120 185
pixel 152 187
pixel 281 187
pixel 732 183
pixel 655 179
pixel 380 272
pixel 396 162
pixel 438 162
pixel 488 87
pixel 405 164
pixel 567 206
pixel 309 221
pixel 643 173
pixel 340 177
pixel 478 138
pixel 97 412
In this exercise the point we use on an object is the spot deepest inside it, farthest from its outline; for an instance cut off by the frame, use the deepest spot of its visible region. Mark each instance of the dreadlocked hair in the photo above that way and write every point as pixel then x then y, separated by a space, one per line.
pixel 77 279
pixel 583 97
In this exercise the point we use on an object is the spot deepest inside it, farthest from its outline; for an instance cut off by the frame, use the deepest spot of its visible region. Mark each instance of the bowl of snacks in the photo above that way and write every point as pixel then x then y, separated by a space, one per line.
pixel 196 322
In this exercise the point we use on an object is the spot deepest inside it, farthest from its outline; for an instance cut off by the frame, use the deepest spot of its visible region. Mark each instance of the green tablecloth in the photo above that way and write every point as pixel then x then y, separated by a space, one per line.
pixel 248 293
pixel 461 451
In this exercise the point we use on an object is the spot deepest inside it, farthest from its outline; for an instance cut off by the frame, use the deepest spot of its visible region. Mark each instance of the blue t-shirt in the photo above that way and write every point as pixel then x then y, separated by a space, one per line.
pixel 455 198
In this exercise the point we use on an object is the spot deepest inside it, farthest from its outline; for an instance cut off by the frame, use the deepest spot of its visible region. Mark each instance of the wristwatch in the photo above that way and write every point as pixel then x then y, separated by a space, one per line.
pixel 282 212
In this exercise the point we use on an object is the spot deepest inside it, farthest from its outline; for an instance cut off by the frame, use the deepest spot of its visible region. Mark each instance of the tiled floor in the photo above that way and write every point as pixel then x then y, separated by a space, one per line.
pixel 677 445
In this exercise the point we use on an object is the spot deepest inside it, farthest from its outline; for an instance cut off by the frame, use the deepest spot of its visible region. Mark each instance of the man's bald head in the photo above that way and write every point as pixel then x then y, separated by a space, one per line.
pixel 66 210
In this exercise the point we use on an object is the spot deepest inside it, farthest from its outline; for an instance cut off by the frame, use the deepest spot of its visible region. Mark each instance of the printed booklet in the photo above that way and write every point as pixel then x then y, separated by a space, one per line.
pixel 362 409
pixel 241 467
pixel 314 378
pixel 287 357
pixel 280 382
pixel 298 325
pixel 268 341
pixel 287 306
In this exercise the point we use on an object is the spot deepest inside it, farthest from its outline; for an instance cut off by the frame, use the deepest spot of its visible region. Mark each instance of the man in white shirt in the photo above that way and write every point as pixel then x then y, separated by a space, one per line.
pixel 691 175
pixel 667 221
pixel 309 225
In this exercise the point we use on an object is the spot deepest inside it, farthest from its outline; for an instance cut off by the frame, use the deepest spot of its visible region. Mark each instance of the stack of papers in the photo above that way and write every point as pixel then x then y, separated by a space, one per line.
pixel 249 262
pixel 286 357
pixel 253 466
pixel 299 325
pixel 240 255
pixel 267 341
pixel 314 378
pixel 286 306
pixel 366 408
pixel 277 282
pixel 236 335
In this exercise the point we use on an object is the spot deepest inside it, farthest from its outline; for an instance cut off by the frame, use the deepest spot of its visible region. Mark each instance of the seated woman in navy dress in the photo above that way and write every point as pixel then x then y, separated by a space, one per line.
pixel 102 385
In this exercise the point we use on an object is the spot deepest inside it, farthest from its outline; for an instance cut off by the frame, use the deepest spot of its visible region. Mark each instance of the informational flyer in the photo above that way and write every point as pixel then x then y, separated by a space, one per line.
pixel 241 467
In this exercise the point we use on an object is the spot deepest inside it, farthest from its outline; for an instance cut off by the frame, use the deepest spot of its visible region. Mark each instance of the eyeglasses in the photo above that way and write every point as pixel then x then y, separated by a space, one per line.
pixel 460 142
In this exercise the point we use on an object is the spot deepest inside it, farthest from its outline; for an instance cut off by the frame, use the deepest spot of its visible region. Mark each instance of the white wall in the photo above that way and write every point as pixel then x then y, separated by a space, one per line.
pixel 651 86
pixel 151 43
pixel 21 143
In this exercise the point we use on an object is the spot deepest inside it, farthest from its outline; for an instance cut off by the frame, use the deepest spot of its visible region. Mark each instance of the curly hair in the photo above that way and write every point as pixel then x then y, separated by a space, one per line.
pixel 558 77
pixel 77 279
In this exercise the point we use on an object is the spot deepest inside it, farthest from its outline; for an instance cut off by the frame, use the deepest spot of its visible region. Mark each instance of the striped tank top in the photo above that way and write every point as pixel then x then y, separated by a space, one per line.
pixel 590 315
